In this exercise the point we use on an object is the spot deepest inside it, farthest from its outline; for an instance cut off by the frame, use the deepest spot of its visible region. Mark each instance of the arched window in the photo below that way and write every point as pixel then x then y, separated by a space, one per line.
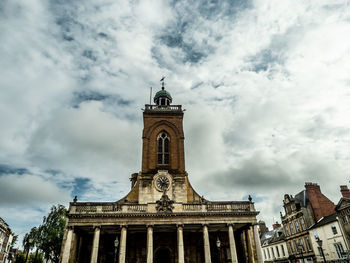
pixel 163 148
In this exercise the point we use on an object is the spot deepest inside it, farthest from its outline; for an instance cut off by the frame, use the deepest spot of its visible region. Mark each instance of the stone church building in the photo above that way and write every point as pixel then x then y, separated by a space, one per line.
pixel 162 219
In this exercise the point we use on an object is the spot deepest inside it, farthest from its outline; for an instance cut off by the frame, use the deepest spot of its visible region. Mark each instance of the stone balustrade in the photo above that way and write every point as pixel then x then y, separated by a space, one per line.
pixel 112 207
pixel 162 108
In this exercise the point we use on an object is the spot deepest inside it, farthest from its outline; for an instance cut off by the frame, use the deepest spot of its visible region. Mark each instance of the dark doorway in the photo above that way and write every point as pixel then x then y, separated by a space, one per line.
pixel 163 256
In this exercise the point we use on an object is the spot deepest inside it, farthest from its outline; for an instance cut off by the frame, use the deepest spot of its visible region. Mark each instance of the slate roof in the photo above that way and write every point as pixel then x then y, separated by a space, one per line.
pixel 324 221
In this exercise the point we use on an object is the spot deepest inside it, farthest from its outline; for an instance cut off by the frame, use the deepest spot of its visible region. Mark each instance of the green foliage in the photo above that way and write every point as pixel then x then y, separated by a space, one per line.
pixel 36 258
pixel 52 231
pixel 21 257
pixel 48 237
pixel 14 239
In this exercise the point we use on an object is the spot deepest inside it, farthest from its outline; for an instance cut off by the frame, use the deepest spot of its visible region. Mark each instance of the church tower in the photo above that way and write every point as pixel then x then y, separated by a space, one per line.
pixel 163 136
pixel 163 154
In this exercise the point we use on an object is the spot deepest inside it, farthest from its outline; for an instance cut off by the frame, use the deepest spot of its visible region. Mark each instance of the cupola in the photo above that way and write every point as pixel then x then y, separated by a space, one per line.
pixel 162 97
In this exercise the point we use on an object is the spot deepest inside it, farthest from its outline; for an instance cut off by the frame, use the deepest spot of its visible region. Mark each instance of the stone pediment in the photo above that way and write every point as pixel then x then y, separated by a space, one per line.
pixel 343 203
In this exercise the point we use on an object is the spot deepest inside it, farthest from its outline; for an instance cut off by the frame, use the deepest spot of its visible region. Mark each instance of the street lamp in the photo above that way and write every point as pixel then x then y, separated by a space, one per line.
pixel 218 245
pixel 319 243
pixel 116 244
pixel 301 247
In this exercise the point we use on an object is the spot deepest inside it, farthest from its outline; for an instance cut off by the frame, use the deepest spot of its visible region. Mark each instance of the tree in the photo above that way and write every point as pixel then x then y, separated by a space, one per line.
pixel 30 240
pixel 48 236
pixel 51 233
pixel 14 239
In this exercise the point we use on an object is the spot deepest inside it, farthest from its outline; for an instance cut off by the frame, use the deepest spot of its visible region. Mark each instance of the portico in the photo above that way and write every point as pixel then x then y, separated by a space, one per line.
pixel 192 242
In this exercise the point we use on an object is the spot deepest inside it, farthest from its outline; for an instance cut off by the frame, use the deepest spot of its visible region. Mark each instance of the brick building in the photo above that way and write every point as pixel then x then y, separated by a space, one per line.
pixel 301 212
pixel 162 219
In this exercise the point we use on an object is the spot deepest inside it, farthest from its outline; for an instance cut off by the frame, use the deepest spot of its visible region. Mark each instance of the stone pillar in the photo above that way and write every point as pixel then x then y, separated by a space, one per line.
pixel 74 248
pixel 244 243
pixel 180 244
pixel 67 245
pixel 231 238
pixel 149 244
pixel 258 244
pixel 251 245
pixel 122 249
pixel 207 258
pixel 95 245
pixel 80 247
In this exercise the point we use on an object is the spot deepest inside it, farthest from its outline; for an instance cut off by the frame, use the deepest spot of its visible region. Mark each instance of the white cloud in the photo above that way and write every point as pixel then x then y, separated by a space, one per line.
pixel 265 84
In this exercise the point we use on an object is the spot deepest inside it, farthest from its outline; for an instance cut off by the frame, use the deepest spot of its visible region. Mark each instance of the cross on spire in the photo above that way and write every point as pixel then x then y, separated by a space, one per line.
pixel 162 80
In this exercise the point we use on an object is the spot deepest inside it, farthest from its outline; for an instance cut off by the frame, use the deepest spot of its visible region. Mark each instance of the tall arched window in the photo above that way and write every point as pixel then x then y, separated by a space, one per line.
pixel 163 148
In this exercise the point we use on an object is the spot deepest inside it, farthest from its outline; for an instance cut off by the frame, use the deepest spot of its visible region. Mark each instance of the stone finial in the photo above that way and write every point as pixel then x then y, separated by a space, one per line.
pixel 250 198
pixel 75 199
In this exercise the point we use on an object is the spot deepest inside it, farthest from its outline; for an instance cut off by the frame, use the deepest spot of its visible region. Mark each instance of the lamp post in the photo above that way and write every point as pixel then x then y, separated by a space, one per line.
pixel 301 251
pixel 218 245
pixel 116 244
pixel 319 243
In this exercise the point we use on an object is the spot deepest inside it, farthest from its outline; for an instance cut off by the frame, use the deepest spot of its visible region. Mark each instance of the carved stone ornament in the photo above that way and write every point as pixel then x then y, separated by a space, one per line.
pixel 165 205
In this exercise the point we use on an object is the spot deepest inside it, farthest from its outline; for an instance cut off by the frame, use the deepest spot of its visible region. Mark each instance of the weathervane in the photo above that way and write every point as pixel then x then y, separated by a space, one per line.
pixel 162 80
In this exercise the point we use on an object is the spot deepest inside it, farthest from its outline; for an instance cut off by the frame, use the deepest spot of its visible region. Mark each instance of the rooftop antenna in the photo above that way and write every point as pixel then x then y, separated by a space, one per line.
pixel 162 80
pixel 150 96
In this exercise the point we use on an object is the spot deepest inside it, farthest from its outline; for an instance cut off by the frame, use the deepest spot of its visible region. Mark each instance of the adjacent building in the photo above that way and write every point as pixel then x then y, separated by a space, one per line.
pixel 162 219
pixel 301 212
pixel 343 213
pixel 328 231
pixel 274 246
pixel 5 241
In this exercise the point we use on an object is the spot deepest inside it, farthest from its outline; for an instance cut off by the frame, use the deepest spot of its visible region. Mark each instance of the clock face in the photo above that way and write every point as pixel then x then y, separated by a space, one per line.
pixel 163 183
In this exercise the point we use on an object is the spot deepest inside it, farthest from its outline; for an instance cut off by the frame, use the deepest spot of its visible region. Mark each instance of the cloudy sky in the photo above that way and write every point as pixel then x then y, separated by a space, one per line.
pixel 265 85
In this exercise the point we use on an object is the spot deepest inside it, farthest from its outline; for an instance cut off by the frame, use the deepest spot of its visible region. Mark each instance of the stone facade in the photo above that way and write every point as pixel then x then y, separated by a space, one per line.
pixel 162 219
pixel 334 246
pixel 5 241
pixel 343 213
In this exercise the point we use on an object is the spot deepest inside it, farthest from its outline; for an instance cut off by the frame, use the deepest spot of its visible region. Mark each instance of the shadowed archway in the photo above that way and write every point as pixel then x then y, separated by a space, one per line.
pixel 163 255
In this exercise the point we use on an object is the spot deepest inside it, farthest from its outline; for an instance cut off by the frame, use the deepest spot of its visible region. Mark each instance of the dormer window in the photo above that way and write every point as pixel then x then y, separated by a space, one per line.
pixel 163 140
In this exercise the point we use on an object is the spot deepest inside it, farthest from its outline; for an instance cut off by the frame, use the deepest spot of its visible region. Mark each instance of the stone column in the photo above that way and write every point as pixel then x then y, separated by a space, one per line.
pixel 231 238
pixel 74 247
pixel 149 244
pixel 251 246
pixel 244 243
pixel 122 249
pixel 67 246
pixel 95 245
pixel 80 246
pixel 258 244
pixel 207 258
pixel 180 244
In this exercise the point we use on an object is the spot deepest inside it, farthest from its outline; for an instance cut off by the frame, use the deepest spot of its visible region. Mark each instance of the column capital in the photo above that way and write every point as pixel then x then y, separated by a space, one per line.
pixel 180 225
pixel 205 224
pixel 124 226
pixel 96 227
pixel 149 225
pixel 230 224
pixel 70 227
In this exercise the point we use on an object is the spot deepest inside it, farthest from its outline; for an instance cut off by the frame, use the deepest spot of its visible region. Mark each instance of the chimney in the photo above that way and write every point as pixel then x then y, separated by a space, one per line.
pixel 276 226
pixel 321 205
pixel 345 192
